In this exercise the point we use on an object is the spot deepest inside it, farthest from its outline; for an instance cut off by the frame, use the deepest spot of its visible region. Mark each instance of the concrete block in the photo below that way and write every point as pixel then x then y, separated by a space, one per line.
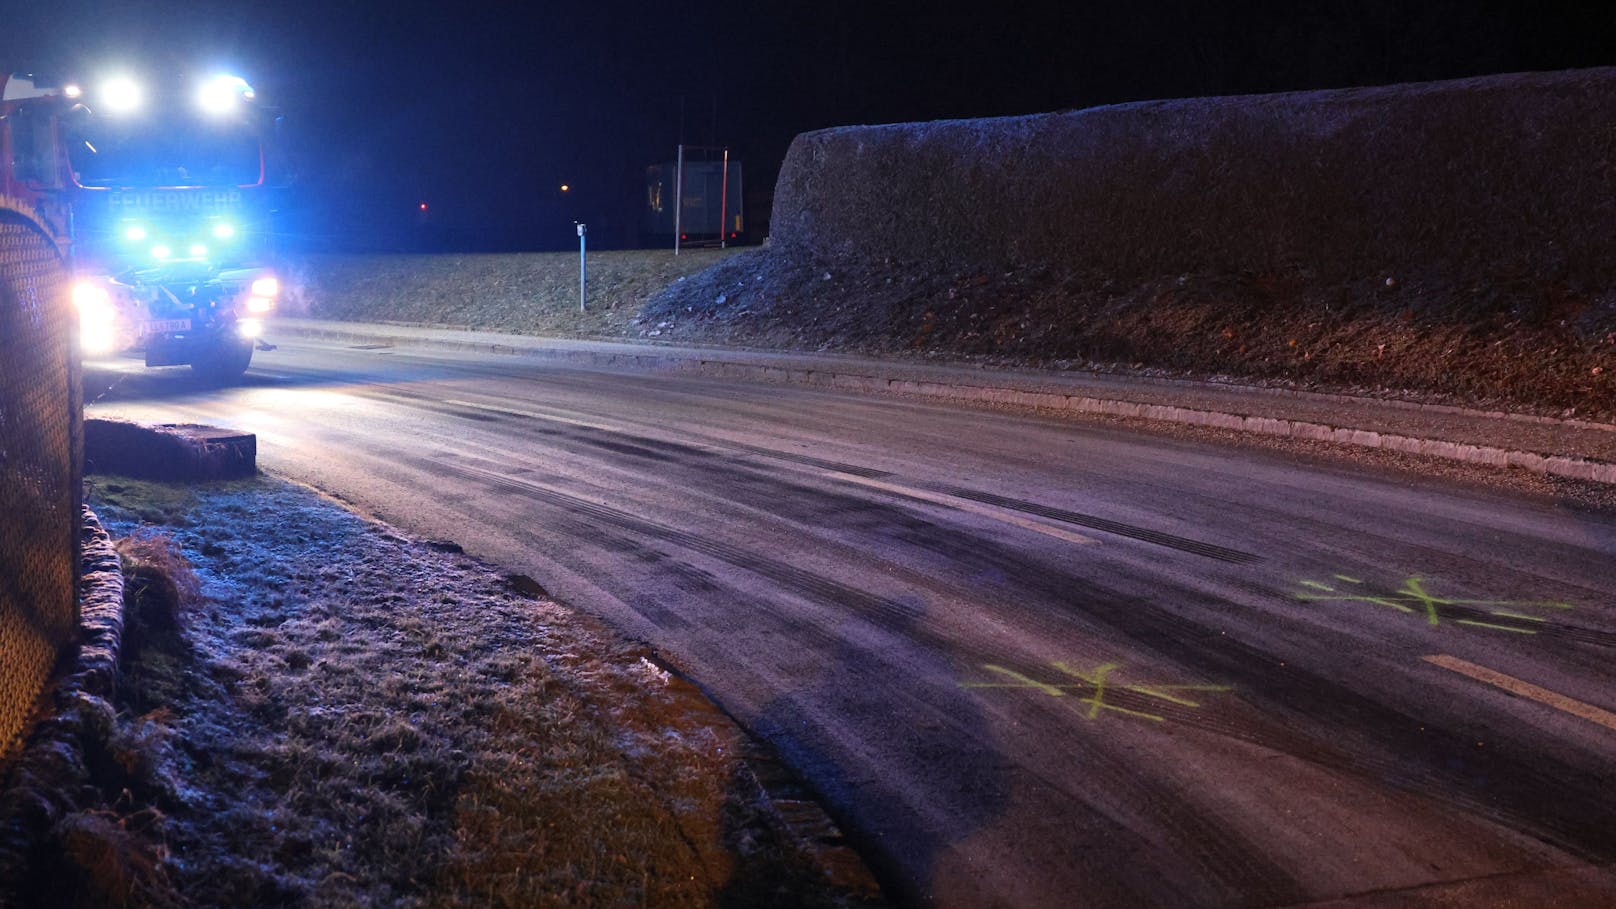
pixel 169 451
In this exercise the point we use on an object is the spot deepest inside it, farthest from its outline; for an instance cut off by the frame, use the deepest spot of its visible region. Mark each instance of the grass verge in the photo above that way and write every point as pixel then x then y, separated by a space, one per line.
pixel 332 715
pixel 521 293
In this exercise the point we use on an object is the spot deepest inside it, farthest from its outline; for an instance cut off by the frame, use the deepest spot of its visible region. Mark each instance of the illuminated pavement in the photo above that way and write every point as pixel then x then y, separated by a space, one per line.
pixel 1027 662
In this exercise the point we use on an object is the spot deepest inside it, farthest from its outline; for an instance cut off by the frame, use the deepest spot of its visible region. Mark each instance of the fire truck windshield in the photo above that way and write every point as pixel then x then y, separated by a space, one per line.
pixel 118 155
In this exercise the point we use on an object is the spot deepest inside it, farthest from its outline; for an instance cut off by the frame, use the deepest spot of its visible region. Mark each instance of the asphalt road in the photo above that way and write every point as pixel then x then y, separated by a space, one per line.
pixel 1026 662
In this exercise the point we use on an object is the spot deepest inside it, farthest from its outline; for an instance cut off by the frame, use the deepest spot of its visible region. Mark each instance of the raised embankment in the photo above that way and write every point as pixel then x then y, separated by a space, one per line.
pixel 1450 239
pixel 1498 178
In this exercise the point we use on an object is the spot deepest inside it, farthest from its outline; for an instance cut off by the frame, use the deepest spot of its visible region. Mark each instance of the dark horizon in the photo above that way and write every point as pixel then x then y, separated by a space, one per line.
pixel 484 113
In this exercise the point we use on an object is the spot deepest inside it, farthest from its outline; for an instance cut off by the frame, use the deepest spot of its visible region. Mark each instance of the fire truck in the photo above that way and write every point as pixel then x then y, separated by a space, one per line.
pixel 160 202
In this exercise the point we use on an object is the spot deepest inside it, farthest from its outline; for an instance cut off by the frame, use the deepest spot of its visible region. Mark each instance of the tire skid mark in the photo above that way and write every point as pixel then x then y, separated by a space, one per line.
pixel 885 613
pixel 1143 534
pixel 1179 641
pixel 1118 528
pixel 1430 558
pixel 1529 800
pixel 1222 856
pixel 1546 798
pixel 824 589
pixel 1092 522
pixel 868 473
pixel 740 473
pixel 649 604
pixel 1562 628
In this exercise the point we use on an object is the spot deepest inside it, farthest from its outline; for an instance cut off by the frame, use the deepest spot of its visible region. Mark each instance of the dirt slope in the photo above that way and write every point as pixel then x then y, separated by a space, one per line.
pixel 1446 239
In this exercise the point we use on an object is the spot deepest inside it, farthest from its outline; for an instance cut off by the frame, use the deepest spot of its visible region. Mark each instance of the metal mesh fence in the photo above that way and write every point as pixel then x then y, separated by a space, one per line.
pixel 39 472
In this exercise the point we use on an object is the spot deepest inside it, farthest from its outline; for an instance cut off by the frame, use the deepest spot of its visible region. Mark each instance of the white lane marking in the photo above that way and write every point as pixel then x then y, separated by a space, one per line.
pixel 988 511
pixel 1525 689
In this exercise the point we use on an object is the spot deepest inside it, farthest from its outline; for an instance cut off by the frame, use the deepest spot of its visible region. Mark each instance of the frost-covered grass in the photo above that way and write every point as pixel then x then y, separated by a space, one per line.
pixel 520 293
pixel 349 718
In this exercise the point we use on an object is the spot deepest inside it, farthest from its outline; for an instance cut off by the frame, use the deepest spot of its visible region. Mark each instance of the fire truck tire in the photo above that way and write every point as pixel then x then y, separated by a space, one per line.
pixel 224 362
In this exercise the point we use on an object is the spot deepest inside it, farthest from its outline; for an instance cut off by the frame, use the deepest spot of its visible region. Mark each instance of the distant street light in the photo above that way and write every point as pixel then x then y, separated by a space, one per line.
pixel 565 188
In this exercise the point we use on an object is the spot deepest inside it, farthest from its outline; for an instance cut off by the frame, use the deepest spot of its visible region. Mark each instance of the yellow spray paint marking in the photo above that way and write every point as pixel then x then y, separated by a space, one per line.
pixel 1096 687
pixel 1415 599
pixel 1525 689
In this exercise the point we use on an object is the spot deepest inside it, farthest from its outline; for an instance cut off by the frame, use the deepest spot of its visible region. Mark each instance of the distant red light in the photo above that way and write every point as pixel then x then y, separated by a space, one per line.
pixel 684 236
pixel 423 206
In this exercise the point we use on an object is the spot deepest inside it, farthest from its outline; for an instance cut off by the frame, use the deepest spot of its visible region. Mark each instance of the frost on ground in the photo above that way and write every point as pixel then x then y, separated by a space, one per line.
pixel 348 718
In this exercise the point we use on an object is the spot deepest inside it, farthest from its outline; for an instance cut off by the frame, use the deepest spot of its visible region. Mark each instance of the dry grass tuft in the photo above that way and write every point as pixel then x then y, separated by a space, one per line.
pixel 111 861
pixel 159 584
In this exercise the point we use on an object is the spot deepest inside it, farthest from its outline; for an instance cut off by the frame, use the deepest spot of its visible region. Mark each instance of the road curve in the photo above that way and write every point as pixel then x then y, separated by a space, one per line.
pixel 1026 662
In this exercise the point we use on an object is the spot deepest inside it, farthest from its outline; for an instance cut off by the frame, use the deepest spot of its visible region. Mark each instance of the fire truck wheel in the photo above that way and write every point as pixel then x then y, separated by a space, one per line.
pixel 224 362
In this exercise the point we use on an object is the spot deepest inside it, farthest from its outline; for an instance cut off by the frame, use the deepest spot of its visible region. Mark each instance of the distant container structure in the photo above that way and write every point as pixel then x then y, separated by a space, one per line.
pixel 712 210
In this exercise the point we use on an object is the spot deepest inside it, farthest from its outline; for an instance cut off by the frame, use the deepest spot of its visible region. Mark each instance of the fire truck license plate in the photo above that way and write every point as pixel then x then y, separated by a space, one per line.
pixel 161 326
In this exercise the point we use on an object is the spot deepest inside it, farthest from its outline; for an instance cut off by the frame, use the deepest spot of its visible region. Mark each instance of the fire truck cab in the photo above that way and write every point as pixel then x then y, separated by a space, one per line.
pixel 33 181
pixel 161 205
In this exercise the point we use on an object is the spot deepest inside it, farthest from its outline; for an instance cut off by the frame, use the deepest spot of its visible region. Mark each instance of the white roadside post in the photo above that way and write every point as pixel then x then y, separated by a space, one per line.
pixel 678 198
pixel 583 272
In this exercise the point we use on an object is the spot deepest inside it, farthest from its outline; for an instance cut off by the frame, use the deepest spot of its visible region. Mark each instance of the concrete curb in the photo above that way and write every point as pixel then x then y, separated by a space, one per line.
pixel 174 451
pixel 1552 464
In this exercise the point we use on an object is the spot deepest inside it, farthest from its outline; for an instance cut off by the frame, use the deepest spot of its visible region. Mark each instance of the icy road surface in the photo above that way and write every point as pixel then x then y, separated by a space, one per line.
pixel 1026 662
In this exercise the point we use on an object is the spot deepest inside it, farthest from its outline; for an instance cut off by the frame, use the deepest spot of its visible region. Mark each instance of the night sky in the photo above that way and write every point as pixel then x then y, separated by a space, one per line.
pixel 483 110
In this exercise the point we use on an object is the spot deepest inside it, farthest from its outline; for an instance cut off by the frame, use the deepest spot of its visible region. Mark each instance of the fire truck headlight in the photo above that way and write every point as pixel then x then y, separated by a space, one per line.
pixel 224 230
pixel 90 296
pixel 260 304
pixel 161 252
pixel 121 95
pixel 266 287
pixel 250 328
pixel 221 94
pixel 97 319
pixel 134 233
